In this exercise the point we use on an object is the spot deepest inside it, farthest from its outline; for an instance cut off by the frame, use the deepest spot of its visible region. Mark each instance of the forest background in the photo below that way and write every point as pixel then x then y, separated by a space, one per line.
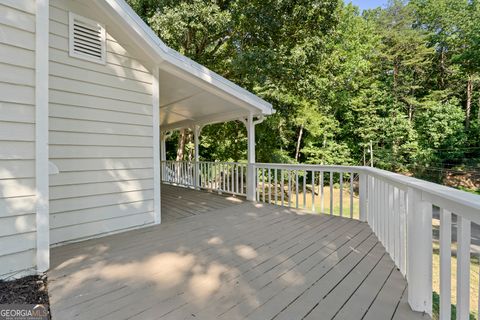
pixel 404 78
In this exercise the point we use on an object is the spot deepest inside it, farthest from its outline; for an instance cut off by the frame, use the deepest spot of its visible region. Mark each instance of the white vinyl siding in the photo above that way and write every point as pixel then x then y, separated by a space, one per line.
pixel 17 137
pixel 100 136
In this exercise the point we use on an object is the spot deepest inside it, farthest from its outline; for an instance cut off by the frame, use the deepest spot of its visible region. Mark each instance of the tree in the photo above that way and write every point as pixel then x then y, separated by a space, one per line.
pixel 404 77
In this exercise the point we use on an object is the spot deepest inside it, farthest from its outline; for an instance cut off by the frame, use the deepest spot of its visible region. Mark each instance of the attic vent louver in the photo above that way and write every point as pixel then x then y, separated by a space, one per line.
pixel 87 39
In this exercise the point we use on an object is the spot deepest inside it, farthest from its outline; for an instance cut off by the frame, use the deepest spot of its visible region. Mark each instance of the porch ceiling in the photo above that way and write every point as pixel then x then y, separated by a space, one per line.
pixel 185 102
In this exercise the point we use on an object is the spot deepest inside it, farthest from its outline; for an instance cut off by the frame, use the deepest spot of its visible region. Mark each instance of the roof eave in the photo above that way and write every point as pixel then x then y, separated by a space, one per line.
pixel 161 53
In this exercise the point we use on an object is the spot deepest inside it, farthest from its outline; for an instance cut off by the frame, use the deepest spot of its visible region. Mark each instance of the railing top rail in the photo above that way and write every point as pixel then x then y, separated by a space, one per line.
pixel 451 194
pixel 310 167
pixel 214 162
pixel 431 191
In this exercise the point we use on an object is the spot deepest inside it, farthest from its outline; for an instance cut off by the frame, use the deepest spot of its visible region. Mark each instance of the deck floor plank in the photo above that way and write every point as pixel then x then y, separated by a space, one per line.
pixel 221 257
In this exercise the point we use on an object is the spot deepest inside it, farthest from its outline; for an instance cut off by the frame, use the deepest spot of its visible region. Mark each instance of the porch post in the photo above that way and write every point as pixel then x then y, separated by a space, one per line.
pixel 196 135
pixel 163 155
pixel 251 158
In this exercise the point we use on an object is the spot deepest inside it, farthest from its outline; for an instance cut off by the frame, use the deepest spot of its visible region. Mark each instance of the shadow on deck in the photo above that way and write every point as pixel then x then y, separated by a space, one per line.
pixel 218 257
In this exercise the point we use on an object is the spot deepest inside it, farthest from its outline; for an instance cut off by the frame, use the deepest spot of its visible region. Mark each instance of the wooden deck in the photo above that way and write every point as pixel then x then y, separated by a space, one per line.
pixel 218 257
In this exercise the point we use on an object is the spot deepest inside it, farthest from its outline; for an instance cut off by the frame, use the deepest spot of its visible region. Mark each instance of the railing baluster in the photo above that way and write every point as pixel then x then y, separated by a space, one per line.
pixel 322 195
pixel 351 194
pixel 313 191
pixel 331 193
pixel 403 232
pixel 236 179
pixel 396 212
pixel 296 189
pixel 445 264
pixel 391 224
pixel 282 185
pixel 269 186
pixel 305 189
pixel 289 188
pixel 382 213
pixel 371 202
pixel 227 177
pixel 263 184
pixel 341 194
pixel 219 176
pixel 241 179
pixel 257 183
pixel 276 191
pixel 224 178
pixel 232 172
pixel 385 214
pixel 463 268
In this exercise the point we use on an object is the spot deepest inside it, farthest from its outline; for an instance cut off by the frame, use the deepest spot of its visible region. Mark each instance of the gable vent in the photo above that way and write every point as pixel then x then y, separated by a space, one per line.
pixel 87 39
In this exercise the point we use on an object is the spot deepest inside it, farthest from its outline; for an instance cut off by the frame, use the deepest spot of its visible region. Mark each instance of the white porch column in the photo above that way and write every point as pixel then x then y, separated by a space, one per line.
pixel 163 147
pixel 163 154
pixel 196 136
pixel 156 147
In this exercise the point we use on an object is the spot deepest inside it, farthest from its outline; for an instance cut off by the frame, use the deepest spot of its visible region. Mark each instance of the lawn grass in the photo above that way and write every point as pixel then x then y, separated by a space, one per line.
pixel 307 204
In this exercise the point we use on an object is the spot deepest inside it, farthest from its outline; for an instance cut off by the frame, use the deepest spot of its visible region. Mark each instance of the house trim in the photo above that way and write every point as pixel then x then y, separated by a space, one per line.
pixel 41 134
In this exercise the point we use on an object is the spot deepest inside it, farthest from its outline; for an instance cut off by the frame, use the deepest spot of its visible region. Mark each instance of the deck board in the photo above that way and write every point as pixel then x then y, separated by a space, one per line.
pixel 221 257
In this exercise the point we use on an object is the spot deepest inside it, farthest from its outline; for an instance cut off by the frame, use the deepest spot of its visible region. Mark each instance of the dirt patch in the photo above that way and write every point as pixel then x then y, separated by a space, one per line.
pixel 26 290
pixel 467 180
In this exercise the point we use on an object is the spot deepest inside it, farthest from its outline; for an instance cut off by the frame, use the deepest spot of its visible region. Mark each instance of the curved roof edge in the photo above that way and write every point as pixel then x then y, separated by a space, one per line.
pixel 166 54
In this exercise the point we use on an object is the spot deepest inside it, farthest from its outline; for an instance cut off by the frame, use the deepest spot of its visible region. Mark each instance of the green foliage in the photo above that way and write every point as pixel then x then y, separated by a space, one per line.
pixel 339 78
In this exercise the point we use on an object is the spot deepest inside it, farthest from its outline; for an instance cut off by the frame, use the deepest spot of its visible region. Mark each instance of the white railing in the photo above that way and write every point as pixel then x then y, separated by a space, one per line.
pixel 181 173
pixel 325 189
pixel 225 177
pixel 399 211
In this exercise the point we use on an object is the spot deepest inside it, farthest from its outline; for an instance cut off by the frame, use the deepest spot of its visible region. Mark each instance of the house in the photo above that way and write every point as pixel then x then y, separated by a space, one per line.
pixel 85 87
pixel 88 95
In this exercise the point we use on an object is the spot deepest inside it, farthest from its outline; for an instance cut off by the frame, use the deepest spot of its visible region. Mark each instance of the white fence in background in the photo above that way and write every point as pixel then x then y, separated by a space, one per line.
pixel 397 208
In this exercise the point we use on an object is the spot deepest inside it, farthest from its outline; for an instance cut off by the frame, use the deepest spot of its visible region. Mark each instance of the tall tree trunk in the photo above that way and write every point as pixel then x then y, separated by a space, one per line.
pixel 468 109
pixel 478 110
pixel 299 141
pixel 181 145
pixel 442 68
pixel 190 140
pixel 395 77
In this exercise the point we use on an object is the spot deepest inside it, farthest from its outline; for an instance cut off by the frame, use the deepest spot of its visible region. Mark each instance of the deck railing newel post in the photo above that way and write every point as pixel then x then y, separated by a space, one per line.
pixel 363 178
pixel 419 251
